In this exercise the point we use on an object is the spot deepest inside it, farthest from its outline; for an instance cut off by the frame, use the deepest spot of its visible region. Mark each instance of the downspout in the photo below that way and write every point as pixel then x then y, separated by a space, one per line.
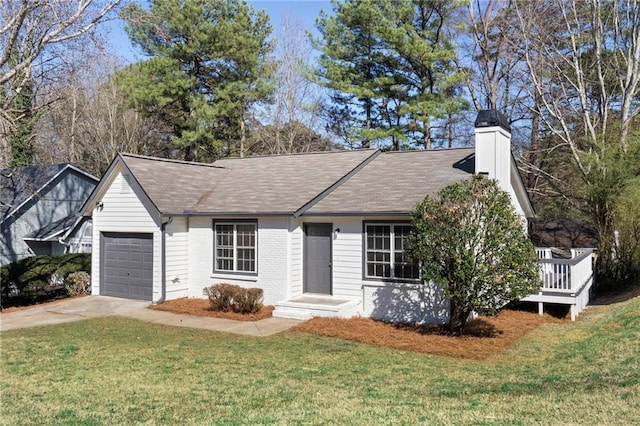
pixel 63 243
pixel 163 261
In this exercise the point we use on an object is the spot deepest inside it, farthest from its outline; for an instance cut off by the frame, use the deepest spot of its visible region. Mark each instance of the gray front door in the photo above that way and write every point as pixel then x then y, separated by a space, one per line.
pixel 317 258
pixel 127 265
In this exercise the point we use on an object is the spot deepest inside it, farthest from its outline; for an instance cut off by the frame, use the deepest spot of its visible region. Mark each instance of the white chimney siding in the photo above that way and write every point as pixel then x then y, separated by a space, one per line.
pixel 493 154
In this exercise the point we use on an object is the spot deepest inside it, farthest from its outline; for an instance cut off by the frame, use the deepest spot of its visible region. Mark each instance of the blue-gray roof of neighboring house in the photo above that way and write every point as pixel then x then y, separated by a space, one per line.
pixel 53 231
pixel 19 184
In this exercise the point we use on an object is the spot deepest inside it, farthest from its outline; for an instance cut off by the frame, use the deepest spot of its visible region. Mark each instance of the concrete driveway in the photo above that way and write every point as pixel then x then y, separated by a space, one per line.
pixel 101 306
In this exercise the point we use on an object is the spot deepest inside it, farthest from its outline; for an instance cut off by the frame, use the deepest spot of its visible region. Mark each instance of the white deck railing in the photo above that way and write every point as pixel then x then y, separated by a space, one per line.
pixel 565 281
pixel 565 275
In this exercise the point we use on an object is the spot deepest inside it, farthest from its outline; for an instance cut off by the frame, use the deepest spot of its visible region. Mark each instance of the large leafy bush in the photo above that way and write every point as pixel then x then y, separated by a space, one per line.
pixel 469 240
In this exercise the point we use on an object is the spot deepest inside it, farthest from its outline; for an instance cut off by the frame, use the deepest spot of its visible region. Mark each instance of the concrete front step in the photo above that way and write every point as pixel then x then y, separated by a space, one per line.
pixel 306 307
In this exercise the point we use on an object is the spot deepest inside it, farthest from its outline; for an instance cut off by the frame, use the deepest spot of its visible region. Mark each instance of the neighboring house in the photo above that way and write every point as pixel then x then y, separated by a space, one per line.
pixel 321 233
pixel 38 211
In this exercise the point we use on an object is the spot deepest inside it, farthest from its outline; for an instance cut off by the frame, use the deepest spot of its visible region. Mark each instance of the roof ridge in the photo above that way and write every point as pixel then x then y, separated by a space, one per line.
pixel 292 154
pixel 406 151
pixel 169 160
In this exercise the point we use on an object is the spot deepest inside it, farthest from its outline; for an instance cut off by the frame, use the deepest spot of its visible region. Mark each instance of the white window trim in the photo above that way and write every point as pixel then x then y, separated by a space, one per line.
pixel 235 247
pixel 392 251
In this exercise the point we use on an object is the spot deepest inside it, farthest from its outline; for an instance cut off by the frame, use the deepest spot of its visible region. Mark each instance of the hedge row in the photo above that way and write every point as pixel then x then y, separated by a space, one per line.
pixel 38 278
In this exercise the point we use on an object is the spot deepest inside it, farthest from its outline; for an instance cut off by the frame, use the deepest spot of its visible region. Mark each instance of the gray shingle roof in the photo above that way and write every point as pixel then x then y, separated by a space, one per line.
pixel 343 182
pixel 19 184
pixel 278 184
pixel 395 182
pixel 173 186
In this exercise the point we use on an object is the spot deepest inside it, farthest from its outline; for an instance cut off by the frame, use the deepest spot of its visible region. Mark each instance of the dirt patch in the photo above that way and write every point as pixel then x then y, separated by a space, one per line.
pixel 617 296
pixel 202 307
pixel 54 301
pixel 482 338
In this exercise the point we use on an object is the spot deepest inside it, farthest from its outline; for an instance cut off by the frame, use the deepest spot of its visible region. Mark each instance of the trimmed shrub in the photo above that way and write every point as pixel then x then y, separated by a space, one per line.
pixel 249 301
pixel 229 297
pixel 37 278
pixel 221 296
pixel 78 283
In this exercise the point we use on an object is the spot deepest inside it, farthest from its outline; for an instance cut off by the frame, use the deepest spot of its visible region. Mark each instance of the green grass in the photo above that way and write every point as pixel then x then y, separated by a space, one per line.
pixel 120 371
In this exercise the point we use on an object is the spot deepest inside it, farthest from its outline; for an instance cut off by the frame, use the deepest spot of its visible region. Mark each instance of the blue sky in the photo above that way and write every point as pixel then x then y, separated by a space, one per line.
pixel 305 10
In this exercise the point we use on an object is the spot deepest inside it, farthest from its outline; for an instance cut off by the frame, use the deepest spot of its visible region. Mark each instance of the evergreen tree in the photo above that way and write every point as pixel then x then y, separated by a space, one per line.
pixel 210 61
pixel 350 65
pixel 23 117
pixel 391 68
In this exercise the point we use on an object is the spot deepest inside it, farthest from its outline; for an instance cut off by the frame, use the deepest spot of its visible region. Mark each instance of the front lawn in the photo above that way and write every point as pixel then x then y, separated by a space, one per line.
pixel 121 371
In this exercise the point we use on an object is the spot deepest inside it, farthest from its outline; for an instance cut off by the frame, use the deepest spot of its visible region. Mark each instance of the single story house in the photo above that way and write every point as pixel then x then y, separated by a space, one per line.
pixel 38 211
pixel 322 233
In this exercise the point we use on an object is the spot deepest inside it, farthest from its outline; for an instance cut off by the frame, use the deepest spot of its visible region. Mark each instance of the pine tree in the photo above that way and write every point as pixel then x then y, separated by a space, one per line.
pixel 210 61
pixel 391 68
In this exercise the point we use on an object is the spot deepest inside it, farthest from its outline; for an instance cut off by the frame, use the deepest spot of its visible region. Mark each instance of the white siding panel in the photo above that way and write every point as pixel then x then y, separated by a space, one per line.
pixel 124 211
pixel 177 258
pixel 347 259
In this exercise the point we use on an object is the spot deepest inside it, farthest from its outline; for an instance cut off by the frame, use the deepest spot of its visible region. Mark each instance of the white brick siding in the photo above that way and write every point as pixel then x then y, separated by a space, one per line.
pixel 273 259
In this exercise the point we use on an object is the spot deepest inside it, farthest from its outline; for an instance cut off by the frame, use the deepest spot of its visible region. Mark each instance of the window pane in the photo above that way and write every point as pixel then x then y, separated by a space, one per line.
pixel 224 247
pixel 378 253
pixel 401 266
pixel 240 251
pixel 246 235
pixel 246 260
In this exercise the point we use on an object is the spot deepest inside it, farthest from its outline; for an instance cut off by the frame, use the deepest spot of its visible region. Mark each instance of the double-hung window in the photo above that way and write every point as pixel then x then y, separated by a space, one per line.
pixel 385 258
pixel 235 247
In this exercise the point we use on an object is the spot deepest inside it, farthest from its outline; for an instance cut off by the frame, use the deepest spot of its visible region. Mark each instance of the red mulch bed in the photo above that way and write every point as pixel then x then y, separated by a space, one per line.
pixel 481 339
pixel 202 307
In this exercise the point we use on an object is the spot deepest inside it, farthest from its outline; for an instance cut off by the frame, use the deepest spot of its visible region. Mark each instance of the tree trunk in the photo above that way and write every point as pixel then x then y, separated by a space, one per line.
pixel 457 317
pixel 243 135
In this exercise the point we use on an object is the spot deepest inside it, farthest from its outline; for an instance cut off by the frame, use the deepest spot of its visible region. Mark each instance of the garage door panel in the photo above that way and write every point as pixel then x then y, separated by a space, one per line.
pixel 136 257
pixel 127 265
